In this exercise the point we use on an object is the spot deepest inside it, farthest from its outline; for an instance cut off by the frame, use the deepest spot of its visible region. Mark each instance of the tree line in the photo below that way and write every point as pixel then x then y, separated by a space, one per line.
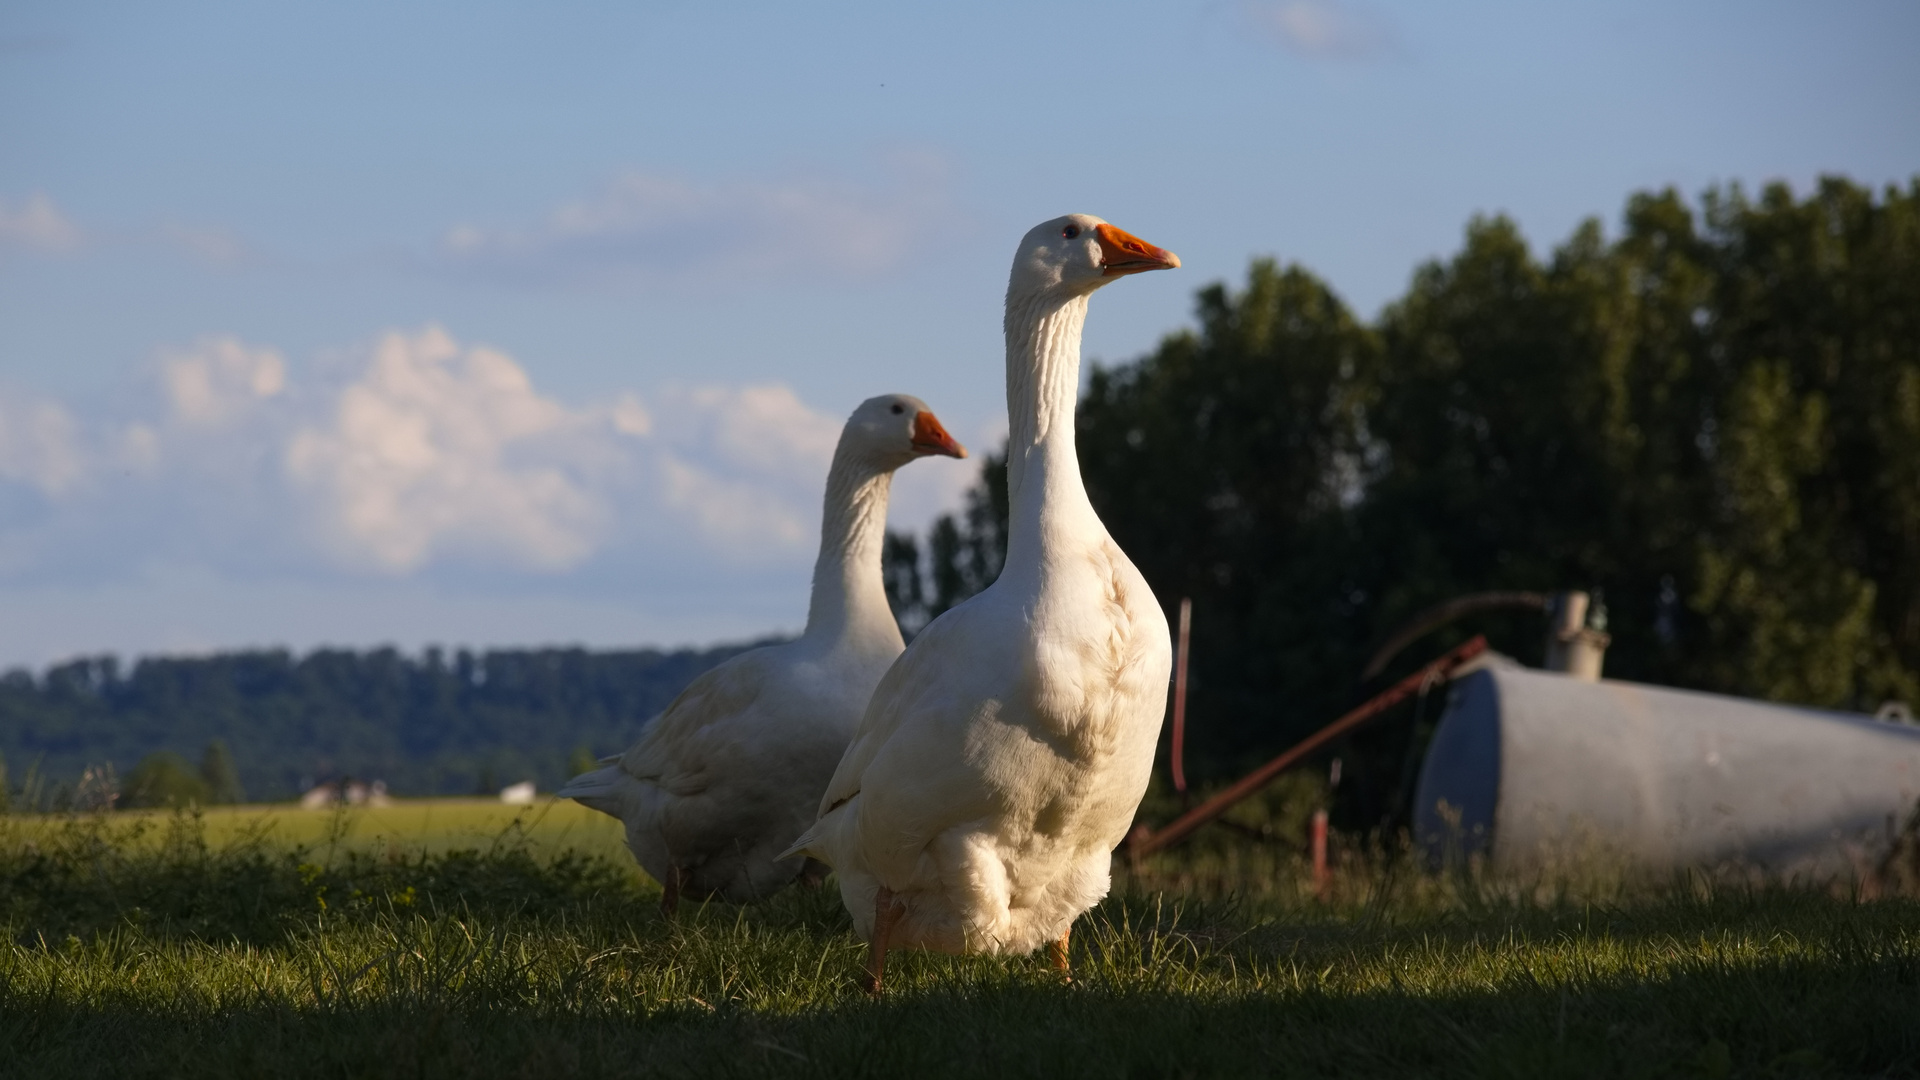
pixel 268 724
pixel 1711 418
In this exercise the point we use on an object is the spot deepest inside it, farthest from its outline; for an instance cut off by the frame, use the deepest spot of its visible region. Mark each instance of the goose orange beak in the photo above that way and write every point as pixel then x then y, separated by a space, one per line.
pixel 1121 252
pixel 930 438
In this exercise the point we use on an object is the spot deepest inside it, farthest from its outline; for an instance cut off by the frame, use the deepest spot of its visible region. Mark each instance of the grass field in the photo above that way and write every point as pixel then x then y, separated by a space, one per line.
pixel 388 945
pixel 414 825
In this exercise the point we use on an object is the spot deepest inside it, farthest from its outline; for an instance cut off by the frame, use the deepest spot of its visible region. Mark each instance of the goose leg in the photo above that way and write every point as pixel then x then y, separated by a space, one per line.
pixel 813 872
pixel 1057 953
pixel 885 914
pixel 670 893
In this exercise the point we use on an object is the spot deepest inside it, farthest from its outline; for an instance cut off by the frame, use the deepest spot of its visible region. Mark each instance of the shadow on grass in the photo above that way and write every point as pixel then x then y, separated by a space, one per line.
pixel 1797 1018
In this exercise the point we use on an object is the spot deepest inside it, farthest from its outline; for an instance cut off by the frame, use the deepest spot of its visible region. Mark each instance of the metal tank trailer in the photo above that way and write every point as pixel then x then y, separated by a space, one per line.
pixel 1529 768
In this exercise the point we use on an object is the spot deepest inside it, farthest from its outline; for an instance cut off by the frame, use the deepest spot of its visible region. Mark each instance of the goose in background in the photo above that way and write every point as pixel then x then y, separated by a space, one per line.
pixel 1004 755
pixel 732 770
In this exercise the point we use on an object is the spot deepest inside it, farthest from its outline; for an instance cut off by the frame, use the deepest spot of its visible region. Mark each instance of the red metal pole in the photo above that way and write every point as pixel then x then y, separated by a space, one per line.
pixel 1144 840
pixel 1180 700
pixel 1319 843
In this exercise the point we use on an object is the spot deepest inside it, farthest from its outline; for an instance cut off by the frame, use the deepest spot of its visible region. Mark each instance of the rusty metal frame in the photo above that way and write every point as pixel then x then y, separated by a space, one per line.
pixel 1144 840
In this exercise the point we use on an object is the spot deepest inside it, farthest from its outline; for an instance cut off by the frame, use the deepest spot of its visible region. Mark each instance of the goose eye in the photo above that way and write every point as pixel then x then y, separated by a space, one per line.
pixel 898 409
pixel 1070 231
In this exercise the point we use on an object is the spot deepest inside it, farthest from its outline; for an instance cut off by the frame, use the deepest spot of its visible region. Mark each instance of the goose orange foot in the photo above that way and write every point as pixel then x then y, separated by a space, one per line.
pixel 1057 954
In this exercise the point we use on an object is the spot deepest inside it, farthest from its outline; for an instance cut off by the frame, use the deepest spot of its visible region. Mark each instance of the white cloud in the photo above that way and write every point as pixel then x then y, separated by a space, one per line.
pixel 419 488
pixel 36 224
pixel 1323 29
pixel 419 453
pixel 40 446
pixel 646 228
pixel 436 448
pixel 218 378
pixel 630 416
pixel 753 430
pixel 729 445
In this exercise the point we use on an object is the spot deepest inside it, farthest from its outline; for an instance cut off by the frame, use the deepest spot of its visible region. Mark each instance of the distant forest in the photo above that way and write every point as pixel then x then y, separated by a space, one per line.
pixel 1711 418
pixel 428 725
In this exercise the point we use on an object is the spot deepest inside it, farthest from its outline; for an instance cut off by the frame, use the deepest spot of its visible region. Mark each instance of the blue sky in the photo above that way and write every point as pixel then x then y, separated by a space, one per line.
pixel 525 323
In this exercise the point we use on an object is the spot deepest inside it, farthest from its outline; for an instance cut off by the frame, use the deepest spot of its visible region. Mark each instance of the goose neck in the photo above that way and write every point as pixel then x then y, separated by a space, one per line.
pixel 1044 488
pixel 848 594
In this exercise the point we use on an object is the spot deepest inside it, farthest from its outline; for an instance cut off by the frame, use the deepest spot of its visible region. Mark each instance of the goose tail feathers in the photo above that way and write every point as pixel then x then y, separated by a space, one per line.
pixel 599 789
pixel 801 846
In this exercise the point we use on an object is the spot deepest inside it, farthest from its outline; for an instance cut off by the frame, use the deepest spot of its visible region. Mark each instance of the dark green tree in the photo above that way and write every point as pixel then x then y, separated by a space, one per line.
pixel 1704 417
pixel 904 578
pixel 1812 588
pixel 964 554
pixel 163 778
pixel 220 775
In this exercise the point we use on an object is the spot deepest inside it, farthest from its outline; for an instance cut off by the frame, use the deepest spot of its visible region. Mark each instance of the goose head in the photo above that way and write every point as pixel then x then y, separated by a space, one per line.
pixel 1078 253
pixel 890 430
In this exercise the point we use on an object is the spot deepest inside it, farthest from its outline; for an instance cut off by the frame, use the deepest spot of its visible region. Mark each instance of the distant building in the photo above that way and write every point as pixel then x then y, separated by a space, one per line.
pixel 98 789
pixel 345 790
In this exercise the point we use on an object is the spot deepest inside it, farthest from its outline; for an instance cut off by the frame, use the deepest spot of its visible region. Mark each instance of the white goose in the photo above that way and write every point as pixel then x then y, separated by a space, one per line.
pixel 1004 755
pixel 725 776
